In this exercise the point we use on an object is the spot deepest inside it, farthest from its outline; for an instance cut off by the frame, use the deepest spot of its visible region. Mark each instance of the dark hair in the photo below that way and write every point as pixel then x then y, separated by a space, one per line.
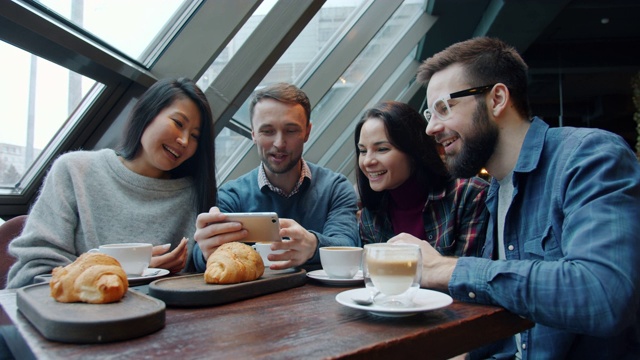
pixel 406 131
pixel 201 166
pixel 486 61
pixel 283 92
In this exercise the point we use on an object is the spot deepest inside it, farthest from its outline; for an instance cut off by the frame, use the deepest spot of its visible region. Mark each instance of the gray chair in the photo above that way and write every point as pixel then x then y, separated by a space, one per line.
pixel 9 230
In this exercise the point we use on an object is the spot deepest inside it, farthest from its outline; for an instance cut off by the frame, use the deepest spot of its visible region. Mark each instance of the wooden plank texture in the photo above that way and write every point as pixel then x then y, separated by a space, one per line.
pixel 300 323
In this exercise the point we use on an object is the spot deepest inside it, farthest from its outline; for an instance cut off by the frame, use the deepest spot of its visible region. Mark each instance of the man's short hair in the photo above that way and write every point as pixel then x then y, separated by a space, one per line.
pixel 485 61
pixel 285 93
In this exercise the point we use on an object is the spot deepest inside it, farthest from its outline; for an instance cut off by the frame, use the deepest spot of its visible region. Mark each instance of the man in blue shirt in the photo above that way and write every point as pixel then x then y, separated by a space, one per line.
pixel 563 243
pixel 316 206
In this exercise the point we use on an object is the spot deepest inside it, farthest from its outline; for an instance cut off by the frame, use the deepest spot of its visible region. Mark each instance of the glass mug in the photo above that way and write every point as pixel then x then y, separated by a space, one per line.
pixel 392 273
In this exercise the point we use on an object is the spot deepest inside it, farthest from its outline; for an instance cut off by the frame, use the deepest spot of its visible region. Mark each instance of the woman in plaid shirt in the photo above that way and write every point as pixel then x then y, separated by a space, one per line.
pixel 405 187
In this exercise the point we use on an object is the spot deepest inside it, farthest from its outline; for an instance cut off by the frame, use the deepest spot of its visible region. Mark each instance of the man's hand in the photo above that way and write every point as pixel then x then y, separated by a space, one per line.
pixel 300 248
pixel 212 231
pixel 436 269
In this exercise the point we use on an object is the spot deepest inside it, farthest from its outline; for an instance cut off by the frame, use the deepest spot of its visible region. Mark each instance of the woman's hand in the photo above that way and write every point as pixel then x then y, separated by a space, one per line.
pixel 173 261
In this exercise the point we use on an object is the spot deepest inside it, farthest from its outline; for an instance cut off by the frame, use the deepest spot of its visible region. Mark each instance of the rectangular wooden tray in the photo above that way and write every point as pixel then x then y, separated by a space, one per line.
pixel 192 291
pixel 135 315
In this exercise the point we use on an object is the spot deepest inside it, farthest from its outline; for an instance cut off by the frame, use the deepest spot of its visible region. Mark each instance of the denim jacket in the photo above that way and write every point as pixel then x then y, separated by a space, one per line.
pixel 572 242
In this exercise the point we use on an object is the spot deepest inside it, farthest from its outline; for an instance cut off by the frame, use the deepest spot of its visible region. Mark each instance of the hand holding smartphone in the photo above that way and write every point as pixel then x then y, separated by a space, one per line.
pixel 262 226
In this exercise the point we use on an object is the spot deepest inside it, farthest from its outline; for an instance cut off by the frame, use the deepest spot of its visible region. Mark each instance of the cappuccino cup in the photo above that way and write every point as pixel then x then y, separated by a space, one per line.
pixel 392 273
pixel 341 262
pixel 133 257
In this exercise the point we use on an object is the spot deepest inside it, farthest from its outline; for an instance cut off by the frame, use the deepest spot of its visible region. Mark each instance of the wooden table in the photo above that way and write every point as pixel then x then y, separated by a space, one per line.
pixel 300 323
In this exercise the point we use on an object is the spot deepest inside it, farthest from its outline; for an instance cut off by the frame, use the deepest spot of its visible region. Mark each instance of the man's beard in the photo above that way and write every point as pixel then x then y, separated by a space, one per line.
pixel 477 148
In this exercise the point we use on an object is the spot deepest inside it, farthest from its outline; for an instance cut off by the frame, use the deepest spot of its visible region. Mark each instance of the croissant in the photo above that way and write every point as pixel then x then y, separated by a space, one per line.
pixel 93 278
pixel 232 263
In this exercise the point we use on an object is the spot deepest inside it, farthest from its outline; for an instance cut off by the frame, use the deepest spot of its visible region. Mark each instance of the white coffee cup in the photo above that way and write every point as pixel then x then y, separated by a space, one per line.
pixel 133 257
pixel 392 273
pixel 264 249
pixel 341 262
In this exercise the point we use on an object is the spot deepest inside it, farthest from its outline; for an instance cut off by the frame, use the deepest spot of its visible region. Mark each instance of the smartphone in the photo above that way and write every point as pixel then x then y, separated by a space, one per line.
pixel 262 226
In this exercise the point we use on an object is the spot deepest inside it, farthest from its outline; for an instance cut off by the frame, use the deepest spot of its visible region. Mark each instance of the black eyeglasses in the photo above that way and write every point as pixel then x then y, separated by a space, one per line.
pixel 441 107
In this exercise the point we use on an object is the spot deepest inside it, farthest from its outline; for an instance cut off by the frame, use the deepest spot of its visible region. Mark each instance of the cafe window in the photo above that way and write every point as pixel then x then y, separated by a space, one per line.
pixel 38 100
pixel 304 54
pixel 134 28
pixel 359 70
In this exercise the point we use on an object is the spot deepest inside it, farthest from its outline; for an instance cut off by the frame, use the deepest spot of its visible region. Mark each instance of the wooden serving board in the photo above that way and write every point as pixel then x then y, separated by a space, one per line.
pixel 191 290
pixel 135 315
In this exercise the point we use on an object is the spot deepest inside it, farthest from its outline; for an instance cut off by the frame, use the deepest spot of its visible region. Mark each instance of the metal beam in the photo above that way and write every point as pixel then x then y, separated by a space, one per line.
pixel 258 54
pixel 504 19
pixel 320 147
pixel 317 84
pixel 40 34
pixel 202 39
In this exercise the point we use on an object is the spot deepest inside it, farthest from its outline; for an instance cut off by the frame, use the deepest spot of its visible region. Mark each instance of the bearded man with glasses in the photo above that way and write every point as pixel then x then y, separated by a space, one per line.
pixel 477 148
pixel 562 246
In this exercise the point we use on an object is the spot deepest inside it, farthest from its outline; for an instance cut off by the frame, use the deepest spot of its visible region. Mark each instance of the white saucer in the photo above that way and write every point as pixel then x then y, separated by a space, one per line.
pixel 425 300
pixel 148 275
pixel 322 276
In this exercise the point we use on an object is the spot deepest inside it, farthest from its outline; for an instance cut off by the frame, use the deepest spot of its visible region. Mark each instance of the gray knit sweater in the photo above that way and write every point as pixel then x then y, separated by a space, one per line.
pixel 90 198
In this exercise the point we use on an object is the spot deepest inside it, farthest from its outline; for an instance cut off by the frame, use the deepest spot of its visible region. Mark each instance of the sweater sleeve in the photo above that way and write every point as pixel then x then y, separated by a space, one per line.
pixel 198 259
pixel 341 226
pixel 47 239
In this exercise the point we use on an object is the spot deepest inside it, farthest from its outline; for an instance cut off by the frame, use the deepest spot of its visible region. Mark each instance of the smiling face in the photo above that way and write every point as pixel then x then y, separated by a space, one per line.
pixel 468 136
pixel 169 140
pixel 383 164
pixel 279 131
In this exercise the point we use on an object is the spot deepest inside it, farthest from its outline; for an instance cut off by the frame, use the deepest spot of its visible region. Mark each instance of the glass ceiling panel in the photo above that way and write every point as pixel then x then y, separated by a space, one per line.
pixel 131 27
pixel 392 79
pixel 36 98
pixel 340 156
pixel 335 17
pixel 229 145
pixel 333 20
pixel 357 72
pixel 232 47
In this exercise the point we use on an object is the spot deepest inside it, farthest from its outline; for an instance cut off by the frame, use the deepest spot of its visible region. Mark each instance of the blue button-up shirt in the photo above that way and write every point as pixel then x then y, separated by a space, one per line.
pixel 572 242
